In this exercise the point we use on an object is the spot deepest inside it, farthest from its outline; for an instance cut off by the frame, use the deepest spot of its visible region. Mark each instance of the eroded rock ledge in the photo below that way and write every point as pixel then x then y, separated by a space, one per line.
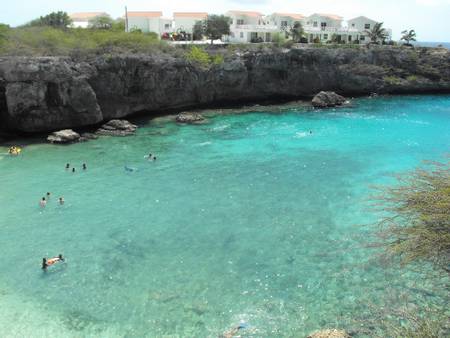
pixel 53 93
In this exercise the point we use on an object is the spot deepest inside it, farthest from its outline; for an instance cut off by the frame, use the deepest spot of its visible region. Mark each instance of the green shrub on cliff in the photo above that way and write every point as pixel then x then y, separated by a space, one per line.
pixel 202 57
pixel 416 223
pixel 44 41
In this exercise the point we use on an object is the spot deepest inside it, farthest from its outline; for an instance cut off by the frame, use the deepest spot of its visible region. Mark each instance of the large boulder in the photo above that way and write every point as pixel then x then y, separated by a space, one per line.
pixel 328 99
pixel 333 333
pixel 186 117
pixel 63 136
pixel 117 128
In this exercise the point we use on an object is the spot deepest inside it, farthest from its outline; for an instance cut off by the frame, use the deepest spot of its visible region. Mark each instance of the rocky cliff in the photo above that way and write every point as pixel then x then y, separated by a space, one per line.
pixel 48 93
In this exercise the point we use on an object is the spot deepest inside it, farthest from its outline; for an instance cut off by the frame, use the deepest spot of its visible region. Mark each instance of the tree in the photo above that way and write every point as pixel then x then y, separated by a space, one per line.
pixel 409 36
pixel 416 216
pixel 377 34
pixel 101 22
pixel 55 19
pixel 297 32
pixel 3 32
pixel 198 30
pixel 214 27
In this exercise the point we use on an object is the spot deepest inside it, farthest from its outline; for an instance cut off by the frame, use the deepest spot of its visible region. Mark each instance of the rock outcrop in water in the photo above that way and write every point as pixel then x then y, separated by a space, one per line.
pixel 327 99
pixel 63 136
pixel 117 128
pixel 50 93
pixel 189 118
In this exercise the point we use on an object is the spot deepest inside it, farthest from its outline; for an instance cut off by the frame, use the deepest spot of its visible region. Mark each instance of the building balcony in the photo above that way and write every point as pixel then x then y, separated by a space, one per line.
pixel 330 30
pixel 255 28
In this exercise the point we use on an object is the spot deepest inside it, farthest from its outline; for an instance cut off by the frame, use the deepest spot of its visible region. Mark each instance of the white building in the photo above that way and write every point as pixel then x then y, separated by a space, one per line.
pixel 145 22
pixel 250 27
pixel 363 24
pixel 81 20
pixel 185 21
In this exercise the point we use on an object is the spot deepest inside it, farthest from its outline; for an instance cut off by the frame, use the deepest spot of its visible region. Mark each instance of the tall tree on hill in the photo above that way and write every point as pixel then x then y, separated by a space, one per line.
pixel 213 27
pixel 377 34
pixel 297 32
pixel 409 36
pixel 55 19
pixel 101 22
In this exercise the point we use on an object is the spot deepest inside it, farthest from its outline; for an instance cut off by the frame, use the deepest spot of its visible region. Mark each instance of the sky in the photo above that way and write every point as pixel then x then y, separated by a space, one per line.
pixel 430 18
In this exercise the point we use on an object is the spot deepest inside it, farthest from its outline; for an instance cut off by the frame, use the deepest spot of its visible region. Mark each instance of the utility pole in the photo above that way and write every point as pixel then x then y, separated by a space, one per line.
pixel 126 19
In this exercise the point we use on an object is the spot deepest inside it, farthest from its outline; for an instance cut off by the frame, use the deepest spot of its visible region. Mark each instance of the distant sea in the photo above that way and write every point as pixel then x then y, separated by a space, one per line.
pixel 432 44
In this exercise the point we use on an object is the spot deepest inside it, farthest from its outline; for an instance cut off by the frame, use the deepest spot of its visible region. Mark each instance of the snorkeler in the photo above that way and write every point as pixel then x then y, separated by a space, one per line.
pixel 43 202
pixel 49 262
pixel 233 332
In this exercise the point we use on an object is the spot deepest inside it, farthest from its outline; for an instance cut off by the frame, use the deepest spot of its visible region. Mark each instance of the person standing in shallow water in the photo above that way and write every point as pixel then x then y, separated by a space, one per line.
pixel 48 196
pixel 43 202
pixel 67 166
pixel 84 166
pixel 61 201
pixel 73 170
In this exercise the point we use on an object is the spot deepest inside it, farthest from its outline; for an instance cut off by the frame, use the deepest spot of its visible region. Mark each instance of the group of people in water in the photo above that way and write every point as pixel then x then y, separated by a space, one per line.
pixel 84 167
pixel 14 150
pixel 43 202
pixel 151 157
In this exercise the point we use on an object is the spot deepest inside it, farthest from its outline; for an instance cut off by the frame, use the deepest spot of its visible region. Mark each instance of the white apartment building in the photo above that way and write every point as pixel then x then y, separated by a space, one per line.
pixel 249 26
pixel 81 20
pixel 149 22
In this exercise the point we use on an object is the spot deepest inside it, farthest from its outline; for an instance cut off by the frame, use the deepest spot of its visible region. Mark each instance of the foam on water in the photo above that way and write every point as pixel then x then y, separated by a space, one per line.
pixel 242 219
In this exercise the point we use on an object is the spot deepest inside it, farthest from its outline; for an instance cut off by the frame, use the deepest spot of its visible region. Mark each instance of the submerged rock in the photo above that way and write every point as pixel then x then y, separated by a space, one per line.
pixel 63 136
pixel 333 333
pixel 186 117
pixel 328 99
pixel 117 128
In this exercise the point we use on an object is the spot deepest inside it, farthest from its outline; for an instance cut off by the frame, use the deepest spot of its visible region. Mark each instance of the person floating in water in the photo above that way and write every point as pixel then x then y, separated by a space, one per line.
pixel 67 166
pixel 43 202
pixel 49 262
pixel 234 331
pixel 73 170
pixel 61 200
pixel 154 158
pixel 84 166
pixel 48 196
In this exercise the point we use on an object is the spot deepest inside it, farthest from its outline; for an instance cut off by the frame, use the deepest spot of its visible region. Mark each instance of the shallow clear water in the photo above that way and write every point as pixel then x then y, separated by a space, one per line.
pixel 246 218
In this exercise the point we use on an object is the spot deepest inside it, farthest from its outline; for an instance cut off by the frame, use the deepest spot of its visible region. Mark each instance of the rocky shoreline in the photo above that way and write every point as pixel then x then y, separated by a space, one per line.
pixel 45 94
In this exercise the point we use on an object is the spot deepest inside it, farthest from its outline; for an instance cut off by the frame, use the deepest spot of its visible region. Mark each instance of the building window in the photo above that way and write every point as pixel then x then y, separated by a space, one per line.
pixel 239 21
pixel 325 36
pixel 231 21
pixel 353 25
pixel 241 34
pixel 367 26
pixel 232 34
pixel 315 24
pixel 167 26
pixel 362 38
pixel 284 23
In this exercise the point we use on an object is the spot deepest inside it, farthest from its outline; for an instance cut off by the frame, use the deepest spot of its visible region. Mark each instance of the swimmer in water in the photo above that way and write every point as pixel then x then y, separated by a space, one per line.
pixel 233 332
pixel 43 202
pixel 48 196
pixel 73 170
pixel 49 262
pixel 67 166
pixel 84 166
pixel 61 200
pixel 154 158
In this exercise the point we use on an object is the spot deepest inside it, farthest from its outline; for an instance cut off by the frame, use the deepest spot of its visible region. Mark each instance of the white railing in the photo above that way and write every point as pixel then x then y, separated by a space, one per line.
pixel 256 27
pixel 342 30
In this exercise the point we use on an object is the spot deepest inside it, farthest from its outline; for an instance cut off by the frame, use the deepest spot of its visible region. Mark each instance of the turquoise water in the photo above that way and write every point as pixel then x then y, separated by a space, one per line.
pixel 246 218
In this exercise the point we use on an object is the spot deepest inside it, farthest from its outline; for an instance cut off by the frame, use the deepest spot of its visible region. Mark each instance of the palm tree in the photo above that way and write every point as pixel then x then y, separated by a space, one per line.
pixel 377 34
pixel 409 36
pixel 297 32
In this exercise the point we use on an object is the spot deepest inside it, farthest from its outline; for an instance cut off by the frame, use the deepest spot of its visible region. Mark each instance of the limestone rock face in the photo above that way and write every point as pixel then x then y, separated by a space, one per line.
pixel 52 93
pixel 189 118
pixel 333 333
pixel 328 99
pixel 117 128
pixel 63 136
